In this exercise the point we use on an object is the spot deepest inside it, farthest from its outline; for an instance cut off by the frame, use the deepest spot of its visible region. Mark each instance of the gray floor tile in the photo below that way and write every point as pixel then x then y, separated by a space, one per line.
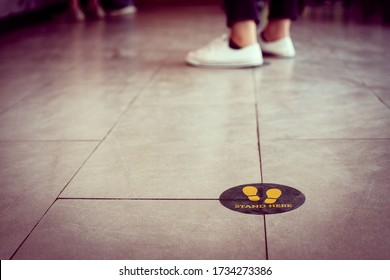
pixel 179 85
pixel 346 213
pixel 175 152
pixel 12 92
pixel 137 230
pixel 52 114
pixel 114 65
pixel 32 175
pixel 317 109
pixel 383 93
pixel 374 76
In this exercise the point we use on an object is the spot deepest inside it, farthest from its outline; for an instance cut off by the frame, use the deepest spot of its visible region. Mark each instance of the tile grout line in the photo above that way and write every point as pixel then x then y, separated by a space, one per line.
pixel 86 160
pixel 362 79
pixel 265 238
pixel 258 143
pixel 378 97
pixel 260 157
pixel 42 86
pixel 111 129
pixel 6 109
pixel 275 139
pixel 32 230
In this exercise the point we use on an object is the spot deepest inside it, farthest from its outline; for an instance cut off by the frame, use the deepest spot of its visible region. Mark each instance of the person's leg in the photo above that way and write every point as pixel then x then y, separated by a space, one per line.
pixel 277 29
pixel 282 9
pixel 281 14
pixel 74 4
pixel 275 38
pixel 239 10
pixel 116 4
pixel 75 11
pixel 119 7
pixel 240 48
pixel 94 4
pixel 243 33
pixel 242 19
pixel 95 9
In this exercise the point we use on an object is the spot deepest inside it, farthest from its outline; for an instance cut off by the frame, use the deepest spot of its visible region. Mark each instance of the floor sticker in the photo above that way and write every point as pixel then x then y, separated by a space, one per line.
pixel 262 198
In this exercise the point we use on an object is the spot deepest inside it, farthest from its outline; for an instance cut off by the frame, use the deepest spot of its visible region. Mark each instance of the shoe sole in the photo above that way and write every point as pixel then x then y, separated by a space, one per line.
pixel 274 55
pixel 226 65
pixel 123 12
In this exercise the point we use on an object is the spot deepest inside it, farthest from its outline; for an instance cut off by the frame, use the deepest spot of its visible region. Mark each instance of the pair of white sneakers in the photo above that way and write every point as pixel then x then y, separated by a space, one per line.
pixel 218 53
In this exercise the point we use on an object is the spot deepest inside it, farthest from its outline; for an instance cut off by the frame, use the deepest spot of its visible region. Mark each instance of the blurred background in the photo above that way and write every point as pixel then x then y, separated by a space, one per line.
pixel 362 10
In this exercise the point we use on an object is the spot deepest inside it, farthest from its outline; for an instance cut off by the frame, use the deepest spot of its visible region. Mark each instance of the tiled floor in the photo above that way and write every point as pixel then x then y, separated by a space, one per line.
pixel 112 148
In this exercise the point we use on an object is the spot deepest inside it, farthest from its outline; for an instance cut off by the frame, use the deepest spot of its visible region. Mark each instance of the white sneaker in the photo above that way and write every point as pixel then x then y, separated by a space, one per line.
pixel 128 10
pixel 218 54
pixel 281 48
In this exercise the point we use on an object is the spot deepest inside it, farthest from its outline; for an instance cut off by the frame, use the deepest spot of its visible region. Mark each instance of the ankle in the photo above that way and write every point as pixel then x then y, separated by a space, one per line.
pixel 238 43
pixel 276 29
pixel 270 37
pixel 243 33
pixel 233 45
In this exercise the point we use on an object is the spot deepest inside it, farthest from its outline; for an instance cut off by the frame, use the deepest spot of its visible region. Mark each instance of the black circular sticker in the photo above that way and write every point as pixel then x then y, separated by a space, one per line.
pixel 263 198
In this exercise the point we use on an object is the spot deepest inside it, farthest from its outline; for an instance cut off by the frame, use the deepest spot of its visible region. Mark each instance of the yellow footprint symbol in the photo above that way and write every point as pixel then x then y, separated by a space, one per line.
pixel 251 193
pixel 272 195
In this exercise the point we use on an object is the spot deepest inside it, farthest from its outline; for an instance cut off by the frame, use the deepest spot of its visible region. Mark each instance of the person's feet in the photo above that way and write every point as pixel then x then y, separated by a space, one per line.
pixel 96 12
pixel 275 39
pixel 218 53
pixel 282 47
pixel 128 10
pixel 76 15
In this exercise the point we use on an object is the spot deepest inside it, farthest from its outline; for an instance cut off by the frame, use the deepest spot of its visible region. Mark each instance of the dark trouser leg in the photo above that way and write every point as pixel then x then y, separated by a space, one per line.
pixel 237 10
pixel 116 4
pixel 284 9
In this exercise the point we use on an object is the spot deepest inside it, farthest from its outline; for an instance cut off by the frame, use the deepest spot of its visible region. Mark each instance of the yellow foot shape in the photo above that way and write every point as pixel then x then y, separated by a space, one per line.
pixel 272 195
pixel 251 193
